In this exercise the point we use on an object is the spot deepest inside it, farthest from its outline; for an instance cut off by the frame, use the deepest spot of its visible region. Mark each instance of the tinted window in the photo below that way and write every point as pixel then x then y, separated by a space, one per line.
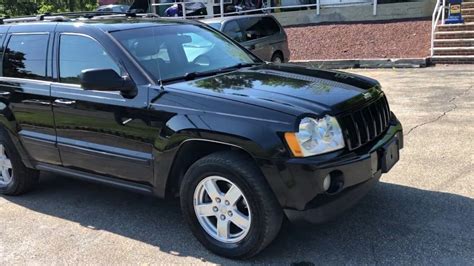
pixel 78 53
pixel 25 56
pixel 255 28
pixel 232 29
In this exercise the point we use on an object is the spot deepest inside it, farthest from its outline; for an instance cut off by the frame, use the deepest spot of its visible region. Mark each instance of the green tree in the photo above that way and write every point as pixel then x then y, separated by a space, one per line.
pixel 14 8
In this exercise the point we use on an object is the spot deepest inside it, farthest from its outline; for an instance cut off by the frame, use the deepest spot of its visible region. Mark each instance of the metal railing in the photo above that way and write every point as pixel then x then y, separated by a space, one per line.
pixel 439 11
pixel 264 9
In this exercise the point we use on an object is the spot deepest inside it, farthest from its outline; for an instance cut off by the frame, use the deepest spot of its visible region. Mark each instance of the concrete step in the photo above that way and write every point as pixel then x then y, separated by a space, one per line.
pixel 452 59
pixel 454 43
pixel 456 27
pixel 454 51
pixel 467 11
pixel 454 35
pixel 468 19
pixel 467 5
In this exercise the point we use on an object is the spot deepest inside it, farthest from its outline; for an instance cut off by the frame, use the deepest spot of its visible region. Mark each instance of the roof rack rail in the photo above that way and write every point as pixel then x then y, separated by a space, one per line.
pixel 88 14
pixel 68 16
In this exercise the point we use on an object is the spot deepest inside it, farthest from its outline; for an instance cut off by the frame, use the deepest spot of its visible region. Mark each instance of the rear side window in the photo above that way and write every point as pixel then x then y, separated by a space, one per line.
pixel 259 27
pixel 25 56
pixel 77 53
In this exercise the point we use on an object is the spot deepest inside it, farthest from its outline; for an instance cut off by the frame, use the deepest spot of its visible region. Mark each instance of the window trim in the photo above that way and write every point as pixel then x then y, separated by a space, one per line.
pixel 2 51
pixel 4 45
pixel 58 58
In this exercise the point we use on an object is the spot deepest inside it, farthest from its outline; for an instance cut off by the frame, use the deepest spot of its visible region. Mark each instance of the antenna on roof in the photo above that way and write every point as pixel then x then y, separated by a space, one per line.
pixel 1 19
pixel 41 16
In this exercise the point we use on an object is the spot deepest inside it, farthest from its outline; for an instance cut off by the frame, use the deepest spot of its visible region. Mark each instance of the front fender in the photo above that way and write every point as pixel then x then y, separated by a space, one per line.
pixel 216 123
pixel 197 135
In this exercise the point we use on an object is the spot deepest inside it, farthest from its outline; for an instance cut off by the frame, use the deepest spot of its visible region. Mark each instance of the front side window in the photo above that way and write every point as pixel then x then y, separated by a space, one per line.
pixel 232 29
pixel 270 25
pixel 25 56
pixel 171 51
pixel 77 53
pixel 258 27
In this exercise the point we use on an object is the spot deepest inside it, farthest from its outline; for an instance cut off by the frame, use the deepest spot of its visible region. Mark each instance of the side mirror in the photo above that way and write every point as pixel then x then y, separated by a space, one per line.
pixel 105 80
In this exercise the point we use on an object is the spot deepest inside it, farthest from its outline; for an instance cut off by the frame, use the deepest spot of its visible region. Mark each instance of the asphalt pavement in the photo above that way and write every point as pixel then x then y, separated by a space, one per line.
pixel 422 212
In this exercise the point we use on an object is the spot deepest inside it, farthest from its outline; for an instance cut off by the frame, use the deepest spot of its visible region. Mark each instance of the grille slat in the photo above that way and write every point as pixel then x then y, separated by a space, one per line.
pixel 386 109
pixel 379 112
pixel 364 125
pixel 375 115
pixel 369 121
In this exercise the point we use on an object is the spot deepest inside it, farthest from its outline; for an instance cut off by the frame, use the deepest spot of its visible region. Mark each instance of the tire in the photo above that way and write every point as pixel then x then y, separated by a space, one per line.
pixel 21 179
pixel 277 58
pixel 264 212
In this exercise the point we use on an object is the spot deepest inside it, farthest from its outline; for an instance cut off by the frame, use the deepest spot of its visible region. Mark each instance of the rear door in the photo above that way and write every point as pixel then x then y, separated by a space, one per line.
pixel 261 34
pixel 100 132
pixel 25 89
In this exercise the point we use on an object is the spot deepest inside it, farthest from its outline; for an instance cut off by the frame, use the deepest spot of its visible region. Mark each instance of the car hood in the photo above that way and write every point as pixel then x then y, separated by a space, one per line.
pixel 288 88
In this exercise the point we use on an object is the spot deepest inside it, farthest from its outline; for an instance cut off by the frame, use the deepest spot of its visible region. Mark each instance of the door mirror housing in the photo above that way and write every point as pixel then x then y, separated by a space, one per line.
pixel 106 80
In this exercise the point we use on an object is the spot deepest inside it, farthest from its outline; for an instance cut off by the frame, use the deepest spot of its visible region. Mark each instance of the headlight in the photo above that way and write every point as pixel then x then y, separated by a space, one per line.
pixel 315 136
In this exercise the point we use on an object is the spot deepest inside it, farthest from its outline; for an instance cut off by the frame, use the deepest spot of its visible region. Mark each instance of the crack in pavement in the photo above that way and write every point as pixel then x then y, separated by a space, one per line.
pixel 451 101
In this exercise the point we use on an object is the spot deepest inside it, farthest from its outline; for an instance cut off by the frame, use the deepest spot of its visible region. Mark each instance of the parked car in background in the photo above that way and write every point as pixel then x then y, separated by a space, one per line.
pixel 261 34
pixel 113 8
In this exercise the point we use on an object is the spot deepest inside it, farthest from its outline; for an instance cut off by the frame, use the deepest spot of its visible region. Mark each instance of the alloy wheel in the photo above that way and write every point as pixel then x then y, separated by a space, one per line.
pixel 222 209
pixel 6 169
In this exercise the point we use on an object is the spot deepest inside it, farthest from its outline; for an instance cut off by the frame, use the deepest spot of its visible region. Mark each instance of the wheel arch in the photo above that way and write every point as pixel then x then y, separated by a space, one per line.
pixel 8 125
pixel 188 153
pixel 279 53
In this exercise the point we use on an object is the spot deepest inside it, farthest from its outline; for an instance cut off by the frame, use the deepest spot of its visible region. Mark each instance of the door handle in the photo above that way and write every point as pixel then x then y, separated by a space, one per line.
pixel 251 47
pixel 64 102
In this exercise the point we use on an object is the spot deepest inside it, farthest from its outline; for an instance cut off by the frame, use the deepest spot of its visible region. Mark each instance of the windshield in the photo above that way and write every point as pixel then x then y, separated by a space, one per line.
pixel 172 51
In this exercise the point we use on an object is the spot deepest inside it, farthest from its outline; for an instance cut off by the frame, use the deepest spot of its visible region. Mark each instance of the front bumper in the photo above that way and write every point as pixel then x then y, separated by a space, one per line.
pixel 356 173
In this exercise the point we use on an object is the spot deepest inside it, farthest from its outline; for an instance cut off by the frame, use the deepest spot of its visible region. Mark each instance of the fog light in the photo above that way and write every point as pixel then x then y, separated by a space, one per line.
pixel 327 182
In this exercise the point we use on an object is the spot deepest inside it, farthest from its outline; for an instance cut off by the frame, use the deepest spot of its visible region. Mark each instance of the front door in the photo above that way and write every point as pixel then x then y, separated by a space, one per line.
pixel 99 132
pixel 258 32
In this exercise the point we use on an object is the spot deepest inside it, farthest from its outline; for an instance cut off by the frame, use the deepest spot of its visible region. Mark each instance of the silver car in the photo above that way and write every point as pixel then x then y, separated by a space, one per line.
pixel 261 34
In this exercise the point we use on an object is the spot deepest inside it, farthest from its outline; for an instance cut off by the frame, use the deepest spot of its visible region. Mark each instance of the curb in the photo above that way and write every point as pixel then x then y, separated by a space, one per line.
pixel 365 63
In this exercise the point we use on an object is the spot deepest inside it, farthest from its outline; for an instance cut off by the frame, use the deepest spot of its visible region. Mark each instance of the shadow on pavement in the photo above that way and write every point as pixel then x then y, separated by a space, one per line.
pixel 393 223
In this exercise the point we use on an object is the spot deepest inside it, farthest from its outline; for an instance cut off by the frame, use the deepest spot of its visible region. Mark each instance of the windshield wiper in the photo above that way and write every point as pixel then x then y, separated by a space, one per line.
pixel 196 74
pixel 241 65
pixel 193 75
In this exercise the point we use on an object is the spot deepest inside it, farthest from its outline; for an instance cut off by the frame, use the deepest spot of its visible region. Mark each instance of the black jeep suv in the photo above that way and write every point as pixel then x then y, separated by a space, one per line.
pixel 174 108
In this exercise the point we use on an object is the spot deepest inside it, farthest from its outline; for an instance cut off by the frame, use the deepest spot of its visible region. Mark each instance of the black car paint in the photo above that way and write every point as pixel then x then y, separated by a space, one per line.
pixel 140 140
